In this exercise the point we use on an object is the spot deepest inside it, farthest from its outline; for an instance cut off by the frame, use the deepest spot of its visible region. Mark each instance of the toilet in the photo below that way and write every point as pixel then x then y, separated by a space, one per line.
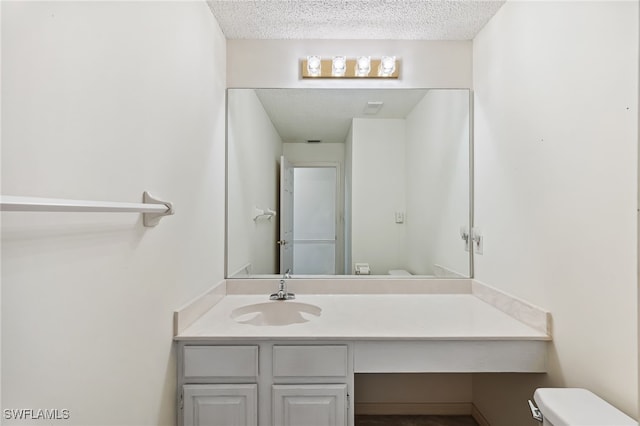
pixel 575 407
pixel 400 272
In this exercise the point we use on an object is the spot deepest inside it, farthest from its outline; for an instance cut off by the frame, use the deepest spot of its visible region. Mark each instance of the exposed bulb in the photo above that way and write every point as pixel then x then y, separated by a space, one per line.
pixel 387 66
pixel 363 66
pixel 314 66
pixel 339 66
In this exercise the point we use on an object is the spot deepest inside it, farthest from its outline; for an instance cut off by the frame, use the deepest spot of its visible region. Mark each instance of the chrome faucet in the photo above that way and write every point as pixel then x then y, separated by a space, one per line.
pixel 282 289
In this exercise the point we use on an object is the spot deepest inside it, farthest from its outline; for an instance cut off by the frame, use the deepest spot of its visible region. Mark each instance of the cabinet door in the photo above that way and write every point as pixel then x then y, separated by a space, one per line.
pixel 309 405
pixel 220 405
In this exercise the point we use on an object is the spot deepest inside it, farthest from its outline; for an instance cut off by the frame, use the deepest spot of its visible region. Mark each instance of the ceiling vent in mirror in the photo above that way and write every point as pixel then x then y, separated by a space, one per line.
pixel 373 107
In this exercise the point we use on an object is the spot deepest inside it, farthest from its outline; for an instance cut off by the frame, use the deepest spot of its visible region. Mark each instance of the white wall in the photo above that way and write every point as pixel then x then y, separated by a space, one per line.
pixel 275 63
pixel 101 101
pixel 254 154
pixel 304 153
pixel 556 137
pixel 437 179
pixel 377 192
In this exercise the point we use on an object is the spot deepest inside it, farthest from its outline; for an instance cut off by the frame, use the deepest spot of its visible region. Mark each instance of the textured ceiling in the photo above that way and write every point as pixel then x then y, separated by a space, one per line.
pixel 302 114
pixel 353 19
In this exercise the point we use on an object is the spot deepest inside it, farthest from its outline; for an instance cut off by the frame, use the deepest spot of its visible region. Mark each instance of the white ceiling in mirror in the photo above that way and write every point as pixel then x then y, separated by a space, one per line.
pixel 332 110
pixel 353 19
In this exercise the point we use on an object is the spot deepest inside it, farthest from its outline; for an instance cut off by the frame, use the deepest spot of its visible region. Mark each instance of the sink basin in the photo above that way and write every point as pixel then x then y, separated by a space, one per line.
pixel 275 312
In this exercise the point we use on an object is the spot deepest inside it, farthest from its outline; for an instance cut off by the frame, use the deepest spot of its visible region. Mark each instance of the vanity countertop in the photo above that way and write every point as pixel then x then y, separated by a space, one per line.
pixel 370 317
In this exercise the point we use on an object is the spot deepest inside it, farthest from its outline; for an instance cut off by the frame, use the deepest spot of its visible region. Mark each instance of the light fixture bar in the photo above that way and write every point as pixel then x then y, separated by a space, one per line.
pixel 354 67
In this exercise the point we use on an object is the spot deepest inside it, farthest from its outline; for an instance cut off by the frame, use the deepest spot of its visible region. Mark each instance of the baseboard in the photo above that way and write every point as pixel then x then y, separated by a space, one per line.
pixel 478 417
pixel 415 408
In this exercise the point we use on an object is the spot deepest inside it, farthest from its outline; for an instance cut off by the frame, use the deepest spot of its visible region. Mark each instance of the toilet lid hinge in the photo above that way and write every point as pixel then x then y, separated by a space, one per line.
pixel 535 411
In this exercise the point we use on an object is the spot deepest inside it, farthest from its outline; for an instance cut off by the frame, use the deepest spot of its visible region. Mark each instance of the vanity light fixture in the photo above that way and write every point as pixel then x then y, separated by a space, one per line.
pixel 343 67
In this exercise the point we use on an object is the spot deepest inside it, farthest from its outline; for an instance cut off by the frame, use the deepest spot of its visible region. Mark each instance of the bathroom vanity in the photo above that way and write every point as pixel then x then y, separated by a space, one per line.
pixel 281 383
pixel 245 360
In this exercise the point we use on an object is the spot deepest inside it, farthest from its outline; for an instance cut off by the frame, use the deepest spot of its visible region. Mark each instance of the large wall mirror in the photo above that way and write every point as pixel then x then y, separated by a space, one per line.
pixel 327 182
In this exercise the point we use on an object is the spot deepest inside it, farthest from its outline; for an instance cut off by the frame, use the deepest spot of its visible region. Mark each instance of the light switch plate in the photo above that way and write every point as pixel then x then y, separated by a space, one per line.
pixel 478 241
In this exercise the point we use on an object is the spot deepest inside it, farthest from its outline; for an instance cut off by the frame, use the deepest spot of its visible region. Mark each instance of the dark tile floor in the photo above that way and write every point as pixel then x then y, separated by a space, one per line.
pixel 415 421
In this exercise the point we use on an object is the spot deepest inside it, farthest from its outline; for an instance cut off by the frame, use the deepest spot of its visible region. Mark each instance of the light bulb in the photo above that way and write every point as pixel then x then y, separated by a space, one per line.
pixel 339 66
pixel 387 66
pixel 314 67
pixel 363 66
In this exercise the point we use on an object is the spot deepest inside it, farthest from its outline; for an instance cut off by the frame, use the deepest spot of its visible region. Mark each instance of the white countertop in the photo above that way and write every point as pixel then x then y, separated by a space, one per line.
pixel 369 317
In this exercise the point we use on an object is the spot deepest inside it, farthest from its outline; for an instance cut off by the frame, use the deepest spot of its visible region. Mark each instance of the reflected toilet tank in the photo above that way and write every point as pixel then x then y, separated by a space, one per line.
pixel 400 272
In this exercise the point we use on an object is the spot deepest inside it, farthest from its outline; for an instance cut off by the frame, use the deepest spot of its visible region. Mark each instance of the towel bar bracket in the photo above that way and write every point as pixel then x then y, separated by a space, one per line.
pixel 152 219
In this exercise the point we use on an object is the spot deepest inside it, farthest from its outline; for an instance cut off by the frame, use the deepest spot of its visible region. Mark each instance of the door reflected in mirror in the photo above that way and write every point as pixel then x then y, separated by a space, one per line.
pixel 363 181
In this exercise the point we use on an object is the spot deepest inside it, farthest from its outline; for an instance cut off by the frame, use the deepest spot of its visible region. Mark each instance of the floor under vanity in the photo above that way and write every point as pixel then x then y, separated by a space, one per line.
pixel 415 421
pixel 244 360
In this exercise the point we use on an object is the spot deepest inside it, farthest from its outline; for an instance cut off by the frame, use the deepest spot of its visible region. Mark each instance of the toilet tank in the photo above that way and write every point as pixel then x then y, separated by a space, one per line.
pixel 577 407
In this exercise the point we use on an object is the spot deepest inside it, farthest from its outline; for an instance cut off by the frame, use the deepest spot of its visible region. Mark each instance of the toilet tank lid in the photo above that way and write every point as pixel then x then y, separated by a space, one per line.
pixel 399 272
pixel 574 406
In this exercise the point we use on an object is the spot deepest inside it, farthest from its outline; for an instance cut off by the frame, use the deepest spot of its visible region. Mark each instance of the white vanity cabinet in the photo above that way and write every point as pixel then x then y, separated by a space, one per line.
pixel 220 405
pixel 310 405
pixel 310 385
pixel 218 385
pixel 265 384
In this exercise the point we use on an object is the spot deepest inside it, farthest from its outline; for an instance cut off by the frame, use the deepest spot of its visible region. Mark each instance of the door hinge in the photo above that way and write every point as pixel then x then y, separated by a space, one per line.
pixel 182 399
pixel 348 401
